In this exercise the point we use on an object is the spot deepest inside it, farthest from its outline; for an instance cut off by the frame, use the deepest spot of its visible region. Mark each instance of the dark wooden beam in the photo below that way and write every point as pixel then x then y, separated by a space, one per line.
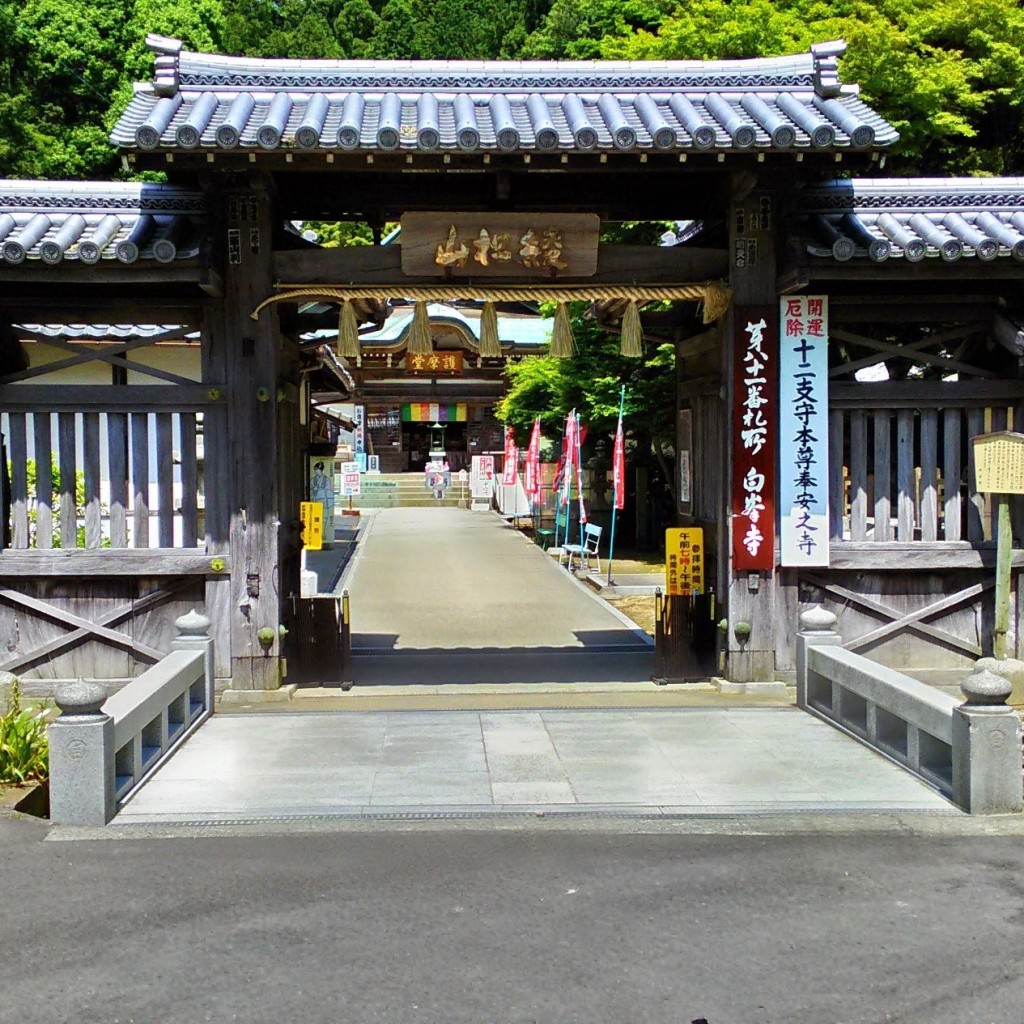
pixel 53 307
pixel 106 272
pixel 913 394
pixel 639 192
pixel 963 271
pixel 915 556
pixel 850 310
pixel 122 398
pixel 382 266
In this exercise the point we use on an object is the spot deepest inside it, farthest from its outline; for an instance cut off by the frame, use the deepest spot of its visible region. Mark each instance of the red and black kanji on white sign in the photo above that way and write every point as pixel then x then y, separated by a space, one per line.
pixel 755 437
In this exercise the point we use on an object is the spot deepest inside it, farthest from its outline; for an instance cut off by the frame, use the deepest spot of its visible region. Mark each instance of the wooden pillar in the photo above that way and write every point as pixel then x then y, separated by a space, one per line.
pixel 750 638
pixel 241 443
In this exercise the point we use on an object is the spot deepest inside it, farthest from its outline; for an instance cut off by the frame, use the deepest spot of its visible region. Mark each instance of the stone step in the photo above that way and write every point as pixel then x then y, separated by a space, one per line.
pixel 403 490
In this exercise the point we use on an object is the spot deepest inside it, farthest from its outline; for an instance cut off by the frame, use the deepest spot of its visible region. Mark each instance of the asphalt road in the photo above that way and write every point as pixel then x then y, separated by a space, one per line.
pixel 438 922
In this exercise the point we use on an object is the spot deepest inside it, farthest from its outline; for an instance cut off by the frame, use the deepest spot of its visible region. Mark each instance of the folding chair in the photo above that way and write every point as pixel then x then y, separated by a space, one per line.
pixel 586 550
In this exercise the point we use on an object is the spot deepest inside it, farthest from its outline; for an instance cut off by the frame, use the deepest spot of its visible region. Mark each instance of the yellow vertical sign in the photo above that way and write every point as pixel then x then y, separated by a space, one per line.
pixel 684 561
pixel 312 515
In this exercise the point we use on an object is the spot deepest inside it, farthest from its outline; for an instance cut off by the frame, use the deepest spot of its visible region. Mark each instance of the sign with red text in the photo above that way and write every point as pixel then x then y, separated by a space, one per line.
pixel 755 437
pixel 803 430
pixel 350 482
pixel 684 561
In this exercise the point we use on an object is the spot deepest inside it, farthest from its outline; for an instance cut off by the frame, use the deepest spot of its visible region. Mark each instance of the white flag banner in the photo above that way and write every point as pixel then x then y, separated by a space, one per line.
pixel 803 430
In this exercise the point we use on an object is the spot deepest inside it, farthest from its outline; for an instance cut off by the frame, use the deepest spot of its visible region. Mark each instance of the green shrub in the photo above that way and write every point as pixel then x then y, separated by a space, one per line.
pixel 24 751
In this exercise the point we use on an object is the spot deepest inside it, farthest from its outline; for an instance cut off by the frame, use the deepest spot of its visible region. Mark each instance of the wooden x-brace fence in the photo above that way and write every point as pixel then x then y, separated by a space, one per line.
pixel 913 621
pixel 83 630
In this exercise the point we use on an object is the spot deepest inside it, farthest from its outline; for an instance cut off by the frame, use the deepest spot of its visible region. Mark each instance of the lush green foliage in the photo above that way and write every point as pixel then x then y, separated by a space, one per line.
pixel 24 751
pixel 591 383
pixel 31 472
pixel 949 76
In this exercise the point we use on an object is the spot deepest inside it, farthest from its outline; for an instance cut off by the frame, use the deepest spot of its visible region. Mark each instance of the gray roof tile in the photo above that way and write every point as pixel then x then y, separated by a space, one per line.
pixel 53 221
pixel 915 219
pixel 518 106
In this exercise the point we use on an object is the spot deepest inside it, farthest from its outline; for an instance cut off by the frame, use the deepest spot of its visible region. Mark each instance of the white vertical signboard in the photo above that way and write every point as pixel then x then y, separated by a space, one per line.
pixel 803 430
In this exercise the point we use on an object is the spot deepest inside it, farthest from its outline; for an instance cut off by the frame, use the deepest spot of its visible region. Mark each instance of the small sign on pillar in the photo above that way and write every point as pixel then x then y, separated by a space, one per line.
pixel 684 561
pixel 999 471
pixel 312 515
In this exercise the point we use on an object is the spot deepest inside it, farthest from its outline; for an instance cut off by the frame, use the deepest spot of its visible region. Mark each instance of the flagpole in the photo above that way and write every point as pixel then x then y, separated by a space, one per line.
pixel 558 493
pixel 579 481
pixel 616 484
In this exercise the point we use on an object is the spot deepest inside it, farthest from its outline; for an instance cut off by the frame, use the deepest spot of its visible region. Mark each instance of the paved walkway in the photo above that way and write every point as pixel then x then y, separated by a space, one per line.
pixel 428 578
pixel 442 597
pixel 690 761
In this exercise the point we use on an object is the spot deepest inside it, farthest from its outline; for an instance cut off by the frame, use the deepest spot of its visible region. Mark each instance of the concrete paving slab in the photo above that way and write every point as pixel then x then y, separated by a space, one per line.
pixel 694 760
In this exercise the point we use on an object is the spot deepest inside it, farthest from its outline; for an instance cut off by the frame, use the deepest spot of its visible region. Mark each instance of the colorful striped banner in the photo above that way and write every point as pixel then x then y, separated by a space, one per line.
pixel 431 412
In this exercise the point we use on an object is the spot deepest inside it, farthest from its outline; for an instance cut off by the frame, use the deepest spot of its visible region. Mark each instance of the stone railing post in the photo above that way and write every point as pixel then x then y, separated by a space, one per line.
pixel 817 629
pixel 81 757
pixel 194 635
pixel 986 747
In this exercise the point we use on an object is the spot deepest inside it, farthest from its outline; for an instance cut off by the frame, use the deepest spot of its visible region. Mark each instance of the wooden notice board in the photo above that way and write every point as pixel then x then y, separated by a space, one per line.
pixel 500 245
pixel 999 462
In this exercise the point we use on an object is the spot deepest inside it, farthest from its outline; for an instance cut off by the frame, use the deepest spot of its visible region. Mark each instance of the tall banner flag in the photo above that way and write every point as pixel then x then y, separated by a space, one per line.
pixel 803 430
pixel 618 477
pixel 532 487
pixel 511 460
pixel 580 433
pixel 755 437
pixel 569 447
pixel 619 466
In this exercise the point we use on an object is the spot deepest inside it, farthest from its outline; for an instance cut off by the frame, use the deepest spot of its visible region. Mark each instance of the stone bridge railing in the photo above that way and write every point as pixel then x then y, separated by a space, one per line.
pixel 103 748
pixel 970 751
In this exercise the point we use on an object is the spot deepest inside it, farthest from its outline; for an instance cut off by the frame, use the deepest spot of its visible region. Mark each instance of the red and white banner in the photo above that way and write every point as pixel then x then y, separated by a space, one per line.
pixel 755 437
pixel 568 458
pixel 579 433
pixel 510 463
pixel 532 486
pixel 619 467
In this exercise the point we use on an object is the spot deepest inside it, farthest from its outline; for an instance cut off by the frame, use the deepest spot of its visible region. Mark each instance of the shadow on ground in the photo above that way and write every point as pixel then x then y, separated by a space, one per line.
pixel 439 666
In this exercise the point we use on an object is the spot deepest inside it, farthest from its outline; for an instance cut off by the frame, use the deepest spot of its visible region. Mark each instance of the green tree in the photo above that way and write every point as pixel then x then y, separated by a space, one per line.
pixel 22 141
pixel 943 74
pixel 590 382
pixel 469 29
pixel 395 38
pixel 355 28
pixel 574 29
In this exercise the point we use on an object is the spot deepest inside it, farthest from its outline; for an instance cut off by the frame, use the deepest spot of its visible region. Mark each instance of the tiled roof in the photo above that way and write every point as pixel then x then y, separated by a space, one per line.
pixel 106 332
pixel 53 221
pixel 207 102
pixel 915 219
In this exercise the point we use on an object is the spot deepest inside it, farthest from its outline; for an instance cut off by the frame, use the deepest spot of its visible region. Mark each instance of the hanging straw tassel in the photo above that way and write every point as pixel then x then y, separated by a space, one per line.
pixel 562 346
pixel 490 344
pixel 348 331
pixel 716 301
pixel 419 341
pixel 631 342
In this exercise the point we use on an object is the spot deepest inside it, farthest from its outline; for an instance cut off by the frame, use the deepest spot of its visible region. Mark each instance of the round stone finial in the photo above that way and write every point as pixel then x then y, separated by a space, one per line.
pixel 192 623
pixel 817 620
pixel 80 698
pixel 984 686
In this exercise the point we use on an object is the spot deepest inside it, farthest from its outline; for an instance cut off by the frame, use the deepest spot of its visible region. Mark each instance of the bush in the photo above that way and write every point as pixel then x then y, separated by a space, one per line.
pixel 24 751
